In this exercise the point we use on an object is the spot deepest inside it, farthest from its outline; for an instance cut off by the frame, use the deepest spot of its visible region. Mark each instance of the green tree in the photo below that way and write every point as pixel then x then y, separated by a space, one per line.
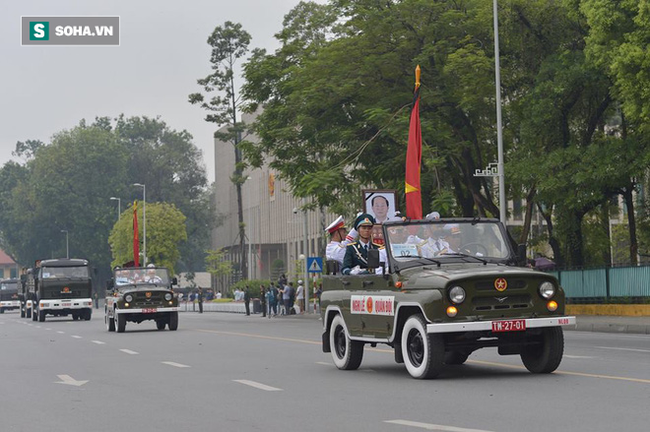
pixel 216 264
pixel 229 43
pixel 165 233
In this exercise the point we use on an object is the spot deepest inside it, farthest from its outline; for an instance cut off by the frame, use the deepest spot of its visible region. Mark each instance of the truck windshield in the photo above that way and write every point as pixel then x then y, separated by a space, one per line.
pixel 442 240
pixel 8 286
pixel 64 272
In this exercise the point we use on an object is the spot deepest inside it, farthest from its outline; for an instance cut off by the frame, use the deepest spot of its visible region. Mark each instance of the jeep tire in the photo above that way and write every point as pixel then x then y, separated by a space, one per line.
pixel 456 357
pixel 346 353
pixel 41 316
pixel 121 322
pixel 546 354
pixel 424 353
pixel 160 324
pixel 173 321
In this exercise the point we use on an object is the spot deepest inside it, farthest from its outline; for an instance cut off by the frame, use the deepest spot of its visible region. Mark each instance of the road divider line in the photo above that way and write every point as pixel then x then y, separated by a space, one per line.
pixel 47 328
pixel 577 357
pixel 76 337
pixel 389 351
pixel 37 326
pixel 624 349
pixel 128 351
pixel 257 385
pixel 433 427
pixel 99 342
pixel 324 363
pixel 178 365
pixel 60 332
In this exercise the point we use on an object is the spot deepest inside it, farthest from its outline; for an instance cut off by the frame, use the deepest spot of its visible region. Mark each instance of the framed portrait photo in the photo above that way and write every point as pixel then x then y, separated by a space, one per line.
pixel 381 204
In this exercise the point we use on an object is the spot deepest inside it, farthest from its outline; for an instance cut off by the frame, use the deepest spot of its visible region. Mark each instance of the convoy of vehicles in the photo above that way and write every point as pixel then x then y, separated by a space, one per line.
pixel 450 287
pixel 139 294
pixel 9 295
pixel 62 287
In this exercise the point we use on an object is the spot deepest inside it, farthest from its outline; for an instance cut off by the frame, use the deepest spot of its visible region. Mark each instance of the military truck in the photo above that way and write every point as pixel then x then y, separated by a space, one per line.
pixel 9 295
pixel 139 294
pixel 448 288
pixel 63 287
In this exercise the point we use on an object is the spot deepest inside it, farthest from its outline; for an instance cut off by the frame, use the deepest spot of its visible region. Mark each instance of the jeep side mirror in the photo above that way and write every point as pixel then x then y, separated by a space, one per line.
pixel 373 258
pixel 174 281
pixel 521 255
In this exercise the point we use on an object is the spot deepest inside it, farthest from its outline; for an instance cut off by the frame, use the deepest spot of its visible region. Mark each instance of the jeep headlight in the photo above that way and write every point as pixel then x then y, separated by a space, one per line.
pixel 128 298
pixel 457 295
pixel 168 296
pixel 546 290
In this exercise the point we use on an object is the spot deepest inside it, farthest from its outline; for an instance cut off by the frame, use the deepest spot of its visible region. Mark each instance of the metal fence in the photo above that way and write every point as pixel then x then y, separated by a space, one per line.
pixel 604 283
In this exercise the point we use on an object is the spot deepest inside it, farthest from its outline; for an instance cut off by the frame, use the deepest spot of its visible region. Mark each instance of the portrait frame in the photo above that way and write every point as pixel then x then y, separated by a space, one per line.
pixel 371 195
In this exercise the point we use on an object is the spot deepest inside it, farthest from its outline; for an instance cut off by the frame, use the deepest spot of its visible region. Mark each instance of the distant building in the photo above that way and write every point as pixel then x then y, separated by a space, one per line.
pixel 8 267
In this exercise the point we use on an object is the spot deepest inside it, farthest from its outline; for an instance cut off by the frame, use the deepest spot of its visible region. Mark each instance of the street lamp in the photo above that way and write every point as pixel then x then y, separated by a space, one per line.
pixel 144 222
pixel 67 245
pixel 497 76
pixel 119 206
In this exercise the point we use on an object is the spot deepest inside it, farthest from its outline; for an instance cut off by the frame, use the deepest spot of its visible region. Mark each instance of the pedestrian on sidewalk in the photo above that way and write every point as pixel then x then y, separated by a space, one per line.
pixel 286 298
pixel 247 299
pixel 263 300
pixel 300 296
pixel 199 296
pixel 272 299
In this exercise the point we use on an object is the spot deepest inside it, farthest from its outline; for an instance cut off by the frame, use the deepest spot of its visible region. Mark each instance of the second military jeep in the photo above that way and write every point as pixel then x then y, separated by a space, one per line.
pixel 140 294
pixel 449 288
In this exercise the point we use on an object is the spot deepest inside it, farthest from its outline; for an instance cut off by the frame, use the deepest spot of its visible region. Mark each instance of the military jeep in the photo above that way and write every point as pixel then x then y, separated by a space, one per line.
pixel 449 288
pixel 140 294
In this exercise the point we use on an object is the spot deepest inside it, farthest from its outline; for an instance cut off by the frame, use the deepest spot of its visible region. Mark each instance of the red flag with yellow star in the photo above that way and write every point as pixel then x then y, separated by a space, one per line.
pixel 414 157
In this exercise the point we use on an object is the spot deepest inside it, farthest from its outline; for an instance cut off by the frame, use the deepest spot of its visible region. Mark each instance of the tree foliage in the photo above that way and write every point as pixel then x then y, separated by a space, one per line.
pixel 165 232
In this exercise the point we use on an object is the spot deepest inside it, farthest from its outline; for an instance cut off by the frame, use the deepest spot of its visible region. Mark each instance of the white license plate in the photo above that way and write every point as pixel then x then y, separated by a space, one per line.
pixel 66 304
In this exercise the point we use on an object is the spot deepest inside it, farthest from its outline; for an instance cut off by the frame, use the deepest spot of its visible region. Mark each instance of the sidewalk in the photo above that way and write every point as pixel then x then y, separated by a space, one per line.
pixel 593 323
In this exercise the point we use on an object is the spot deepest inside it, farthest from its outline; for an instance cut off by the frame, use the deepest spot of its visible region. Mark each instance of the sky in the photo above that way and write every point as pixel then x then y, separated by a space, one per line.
pixel 162 52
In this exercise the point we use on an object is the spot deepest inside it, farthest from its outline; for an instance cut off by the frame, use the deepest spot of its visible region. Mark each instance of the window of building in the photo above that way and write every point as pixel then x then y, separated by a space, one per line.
pixel 13 273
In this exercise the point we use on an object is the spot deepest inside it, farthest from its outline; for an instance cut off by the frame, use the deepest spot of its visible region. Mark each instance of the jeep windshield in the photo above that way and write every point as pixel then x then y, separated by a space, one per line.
pixel 79 272
pixel 441 242
pixel 141 276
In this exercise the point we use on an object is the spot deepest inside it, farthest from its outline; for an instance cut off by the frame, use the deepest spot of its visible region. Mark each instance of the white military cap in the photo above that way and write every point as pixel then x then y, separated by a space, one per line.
pixel 336 225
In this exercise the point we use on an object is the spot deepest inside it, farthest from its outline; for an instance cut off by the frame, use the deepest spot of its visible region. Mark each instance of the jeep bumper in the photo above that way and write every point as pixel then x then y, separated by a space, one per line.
pixel 487 325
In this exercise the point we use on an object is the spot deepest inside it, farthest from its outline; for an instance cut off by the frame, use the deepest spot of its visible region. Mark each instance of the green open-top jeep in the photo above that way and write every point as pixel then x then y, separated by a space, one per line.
pixel 449 288
pixel 139 294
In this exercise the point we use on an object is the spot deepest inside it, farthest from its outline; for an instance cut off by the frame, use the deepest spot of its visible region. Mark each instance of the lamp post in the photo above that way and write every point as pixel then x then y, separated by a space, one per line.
pixel 497 76
pixel 67 245
pixel 144 223
pixel 119 206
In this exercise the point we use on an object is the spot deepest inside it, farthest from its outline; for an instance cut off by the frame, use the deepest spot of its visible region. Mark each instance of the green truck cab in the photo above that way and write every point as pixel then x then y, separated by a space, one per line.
pixel 9 295
pixel 139 294
pixel 448 288
pixel 62 287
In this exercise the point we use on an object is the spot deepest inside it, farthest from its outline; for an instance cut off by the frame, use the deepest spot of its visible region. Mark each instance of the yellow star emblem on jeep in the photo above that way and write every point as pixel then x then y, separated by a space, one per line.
pixel 147 294
pixel 500 284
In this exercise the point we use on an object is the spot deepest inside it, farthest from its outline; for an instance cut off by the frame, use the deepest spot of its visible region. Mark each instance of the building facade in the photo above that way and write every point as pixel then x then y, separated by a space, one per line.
pixel 8 267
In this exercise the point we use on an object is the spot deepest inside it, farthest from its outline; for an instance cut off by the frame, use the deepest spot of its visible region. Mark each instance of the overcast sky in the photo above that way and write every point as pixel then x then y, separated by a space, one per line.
pixel 163 51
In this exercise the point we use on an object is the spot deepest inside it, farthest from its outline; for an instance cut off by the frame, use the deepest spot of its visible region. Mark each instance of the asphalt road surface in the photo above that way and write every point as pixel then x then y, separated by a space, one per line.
pixel 229 372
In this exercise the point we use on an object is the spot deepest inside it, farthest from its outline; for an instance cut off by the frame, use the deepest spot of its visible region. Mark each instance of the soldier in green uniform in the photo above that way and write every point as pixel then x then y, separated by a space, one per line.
pixel 356 253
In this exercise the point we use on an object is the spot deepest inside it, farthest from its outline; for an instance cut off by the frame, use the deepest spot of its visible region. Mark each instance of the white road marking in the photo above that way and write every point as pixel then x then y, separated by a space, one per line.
pixel 67 379
pixel 128 351
pixel 257 385
pixel 99 342
pixel 324 363
pixel 625 349
pixel 76 337
pixel 48 328
pixel 60 332
pixel 433 427
pixel 178 365
pixel 577 357
pixel 37 326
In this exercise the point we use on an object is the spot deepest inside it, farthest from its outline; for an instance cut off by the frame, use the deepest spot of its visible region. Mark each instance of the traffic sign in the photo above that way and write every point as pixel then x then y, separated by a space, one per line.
pixel 314 265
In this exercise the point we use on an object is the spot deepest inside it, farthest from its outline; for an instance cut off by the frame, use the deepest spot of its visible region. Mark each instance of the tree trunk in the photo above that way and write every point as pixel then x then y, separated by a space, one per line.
pixel 558 257
pixel 576 256
pixel 529 214
pixel 238 183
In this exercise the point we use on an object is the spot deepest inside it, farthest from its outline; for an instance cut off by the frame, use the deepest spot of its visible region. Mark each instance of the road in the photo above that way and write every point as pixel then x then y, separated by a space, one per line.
pixel 229 372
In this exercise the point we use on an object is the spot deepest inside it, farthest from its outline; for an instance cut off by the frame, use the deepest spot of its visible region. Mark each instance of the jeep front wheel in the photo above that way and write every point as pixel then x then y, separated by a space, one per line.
pixel 173 321
pixel 545 353
pixel 110 322
pixel 346 353
pixel 424 353
pixel 121 322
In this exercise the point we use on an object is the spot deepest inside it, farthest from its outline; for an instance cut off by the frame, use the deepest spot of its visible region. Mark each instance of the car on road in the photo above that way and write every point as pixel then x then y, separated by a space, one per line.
pixel 139 294
pixel 9 295
pixel 449 288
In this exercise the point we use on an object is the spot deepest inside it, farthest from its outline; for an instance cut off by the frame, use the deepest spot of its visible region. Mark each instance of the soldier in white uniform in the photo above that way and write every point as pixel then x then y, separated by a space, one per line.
pixel 339 239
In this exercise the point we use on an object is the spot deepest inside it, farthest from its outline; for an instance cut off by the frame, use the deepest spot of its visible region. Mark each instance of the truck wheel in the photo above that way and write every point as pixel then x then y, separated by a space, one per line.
pixel 160 324
pixel 22 312
pixel 346 353
pixel 546 354
pixel 2 310
pixel 28 312
pixel 121 322
pixel 455 357
pixel 87 314
pixel 173 321
pixel 110 322
pixel 424 353
pixel 41 316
